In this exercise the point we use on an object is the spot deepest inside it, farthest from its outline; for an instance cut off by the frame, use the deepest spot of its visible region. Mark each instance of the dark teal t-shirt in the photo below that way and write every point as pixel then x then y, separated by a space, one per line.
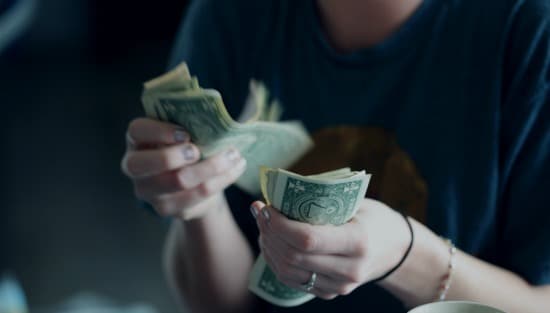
pixel 451 114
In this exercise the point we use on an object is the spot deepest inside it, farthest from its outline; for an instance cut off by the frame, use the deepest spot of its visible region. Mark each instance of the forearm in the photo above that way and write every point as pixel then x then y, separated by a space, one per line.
pixel 420 276
pixel 208 261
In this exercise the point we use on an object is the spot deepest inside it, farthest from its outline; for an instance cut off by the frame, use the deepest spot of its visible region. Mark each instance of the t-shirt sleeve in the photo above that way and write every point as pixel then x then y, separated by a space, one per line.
pixel 211 41
pixel 525 145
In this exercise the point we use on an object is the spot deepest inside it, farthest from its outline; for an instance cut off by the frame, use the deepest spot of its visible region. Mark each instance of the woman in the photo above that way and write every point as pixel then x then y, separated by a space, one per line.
pixel 444 101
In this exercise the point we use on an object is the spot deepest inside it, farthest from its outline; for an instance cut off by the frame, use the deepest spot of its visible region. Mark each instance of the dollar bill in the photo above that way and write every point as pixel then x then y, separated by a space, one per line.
pixel 327 198
pixel 176 97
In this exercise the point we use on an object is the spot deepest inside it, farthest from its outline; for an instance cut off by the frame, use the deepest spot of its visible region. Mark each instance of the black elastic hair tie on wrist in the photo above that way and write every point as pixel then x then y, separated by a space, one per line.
pixel 404 256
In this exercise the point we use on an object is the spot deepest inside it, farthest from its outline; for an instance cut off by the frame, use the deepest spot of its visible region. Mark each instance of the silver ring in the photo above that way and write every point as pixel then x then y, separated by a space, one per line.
pixel 311 282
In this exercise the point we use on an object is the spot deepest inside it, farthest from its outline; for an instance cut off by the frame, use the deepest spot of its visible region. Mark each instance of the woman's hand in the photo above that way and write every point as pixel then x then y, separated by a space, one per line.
pixel 344 257
pixel 164 167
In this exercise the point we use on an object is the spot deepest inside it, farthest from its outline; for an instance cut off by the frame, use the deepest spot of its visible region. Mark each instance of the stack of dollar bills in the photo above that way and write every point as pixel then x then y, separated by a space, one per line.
pixel 176 97
pixel 328 198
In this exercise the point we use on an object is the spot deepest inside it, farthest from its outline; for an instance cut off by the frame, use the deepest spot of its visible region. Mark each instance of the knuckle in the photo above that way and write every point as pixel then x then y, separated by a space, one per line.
pixel 345 289
pixel 282 276
pixel 165 159
pixel 124 164
pixel 360 248
pixel 284 272
pixel 327 296
pixel 205 189
pixel 308 242
pixel 175 181
pixel 355 274
pixel 184 176
pixel 130 142
pixel 129 165
pixel 293 257
pixel 134 125
pixel 358 245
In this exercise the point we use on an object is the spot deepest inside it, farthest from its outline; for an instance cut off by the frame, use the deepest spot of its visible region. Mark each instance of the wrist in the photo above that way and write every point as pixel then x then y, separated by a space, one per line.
pixel 204 211
pixel 403 251
pixel 418 279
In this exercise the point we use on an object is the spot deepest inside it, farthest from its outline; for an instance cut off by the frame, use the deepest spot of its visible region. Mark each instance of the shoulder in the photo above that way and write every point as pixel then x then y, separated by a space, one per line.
pixel 498 14
pixel 513 33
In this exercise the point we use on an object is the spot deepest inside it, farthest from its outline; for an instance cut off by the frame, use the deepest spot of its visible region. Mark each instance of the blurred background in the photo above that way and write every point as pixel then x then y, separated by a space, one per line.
pixel 71 74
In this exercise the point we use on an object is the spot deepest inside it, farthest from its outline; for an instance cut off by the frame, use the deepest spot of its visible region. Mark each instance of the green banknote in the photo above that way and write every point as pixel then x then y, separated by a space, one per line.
pixel 327 198
pixel 176 97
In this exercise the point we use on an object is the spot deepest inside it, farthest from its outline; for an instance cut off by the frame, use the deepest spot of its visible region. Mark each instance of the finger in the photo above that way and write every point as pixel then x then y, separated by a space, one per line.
pixel 192 176
pixel 157 185
pixel 341 268
pixel 144 163
pixel 261 215
pixel 318 239
pixel 267 256
pixel 177 203
pixel 326 287
pixel 337 267
pixel 146 132
pixel 130 143
pixel 296 278
pixel 320 289
pixel 291 274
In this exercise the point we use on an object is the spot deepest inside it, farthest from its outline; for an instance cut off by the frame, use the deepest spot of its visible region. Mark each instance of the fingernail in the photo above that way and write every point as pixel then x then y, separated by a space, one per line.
pixel 265 213
pixel 254 211
pixel 180 136
pixel 189 153
pixel 232 154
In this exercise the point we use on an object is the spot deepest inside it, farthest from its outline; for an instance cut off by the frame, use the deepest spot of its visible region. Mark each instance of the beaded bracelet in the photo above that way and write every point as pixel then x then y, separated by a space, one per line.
pixel 448 277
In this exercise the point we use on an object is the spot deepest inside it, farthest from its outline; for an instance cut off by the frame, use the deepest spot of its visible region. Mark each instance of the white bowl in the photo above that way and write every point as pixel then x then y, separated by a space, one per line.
pixel 454 307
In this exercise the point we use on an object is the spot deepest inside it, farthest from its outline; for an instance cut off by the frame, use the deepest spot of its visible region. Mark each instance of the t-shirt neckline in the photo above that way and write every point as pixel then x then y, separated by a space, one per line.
pixel 402 40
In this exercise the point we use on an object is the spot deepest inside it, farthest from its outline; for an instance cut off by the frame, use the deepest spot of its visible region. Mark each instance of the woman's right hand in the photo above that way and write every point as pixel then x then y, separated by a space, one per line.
pixel 164 167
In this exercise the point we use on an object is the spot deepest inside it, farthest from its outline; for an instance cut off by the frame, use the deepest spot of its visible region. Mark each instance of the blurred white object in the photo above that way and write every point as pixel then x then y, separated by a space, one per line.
pixel 455 307
pixel 12 298
pixel 91 303
pixel 14 20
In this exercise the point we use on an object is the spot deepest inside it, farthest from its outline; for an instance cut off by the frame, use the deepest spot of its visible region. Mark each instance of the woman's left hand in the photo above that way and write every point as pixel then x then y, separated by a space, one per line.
pixel 344 257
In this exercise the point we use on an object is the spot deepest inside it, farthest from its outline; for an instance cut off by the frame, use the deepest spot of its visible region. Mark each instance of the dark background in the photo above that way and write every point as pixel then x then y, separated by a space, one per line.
pixel 68 88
